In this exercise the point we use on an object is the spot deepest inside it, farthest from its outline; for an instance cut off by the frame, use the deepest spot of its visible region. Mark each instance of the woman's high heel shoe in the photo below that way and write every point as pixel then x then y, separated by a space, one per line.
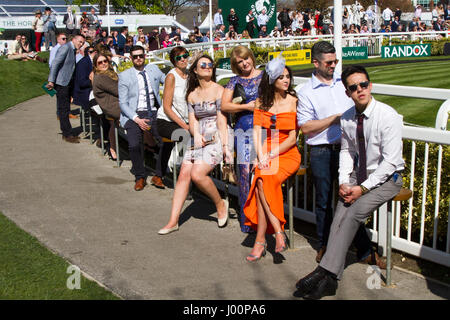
pixel 254 258
pixel 284 247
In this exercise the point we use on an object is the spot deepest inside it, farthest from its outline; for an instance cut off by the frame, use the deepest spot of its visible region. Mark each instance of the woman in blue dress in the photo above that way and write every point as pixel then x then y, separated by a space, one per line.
pixel 243 64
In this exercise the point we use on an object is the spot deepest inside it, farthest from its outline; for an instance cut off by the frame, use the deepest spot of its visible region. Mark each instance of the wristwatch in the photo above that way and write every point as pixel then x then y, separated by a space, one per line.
pixel 364 190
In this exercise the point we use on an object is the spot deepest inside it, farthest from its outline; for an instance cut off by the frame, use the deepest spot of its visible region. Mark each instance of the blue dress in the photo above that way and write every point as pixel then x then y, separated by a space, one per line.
pixel 244 141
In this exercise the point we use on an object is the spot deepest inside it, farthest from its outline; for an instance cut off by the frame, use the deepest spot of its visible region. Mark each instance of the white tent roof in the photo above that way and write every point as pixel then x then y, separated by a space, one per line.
pixel 205 24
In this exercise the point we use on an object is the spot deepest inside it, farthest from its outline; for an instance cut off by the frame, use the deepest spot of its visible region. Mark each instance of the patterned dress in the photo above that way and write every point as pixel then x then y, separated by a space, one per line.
pixel 206 114
pixel 244 141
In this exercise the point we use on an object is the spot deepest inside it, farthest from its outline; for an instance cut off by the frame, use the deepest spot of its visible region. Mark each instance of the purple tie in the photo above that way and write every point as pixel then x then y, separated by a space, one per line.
pixel 362 166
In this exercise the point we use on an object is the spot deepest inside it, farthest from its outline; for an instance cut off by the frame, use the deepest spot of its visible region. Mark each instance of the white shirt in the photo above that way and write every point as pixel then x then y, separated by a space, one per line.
pixel 179 105
pixel 383 139
pixel 387 14
pixel 142 101
pixel 263 19
pixel 317 101
pixel 218 19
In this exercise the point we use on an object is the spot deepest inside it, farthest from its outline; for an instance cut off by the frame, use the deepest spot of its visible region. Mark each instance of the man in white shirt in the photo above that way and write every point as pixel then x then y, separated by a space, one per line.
pixel 139 101
pixel 370 167
pixel 218 18
pixel 263 19
pixel 387 16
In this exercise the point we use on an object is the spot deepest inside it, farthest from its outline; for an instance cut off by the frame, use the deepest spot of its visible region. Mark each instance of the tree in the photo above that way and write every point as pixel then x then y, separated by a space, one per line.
pixel 168 7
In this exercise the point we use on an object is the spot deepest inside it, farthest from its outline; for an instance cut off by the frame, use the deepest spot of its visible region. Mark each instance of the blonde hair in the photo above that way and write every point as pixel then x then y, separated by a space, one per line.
pixel 243 53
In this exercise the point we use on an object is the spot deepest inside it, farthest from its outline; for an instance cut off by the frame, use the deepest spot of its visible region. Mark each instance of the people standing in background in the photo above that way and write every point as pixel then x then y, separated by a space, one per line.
pixel 263 18
pixel 49 28
pixel 94 21
pixel 38 27
pixel 121 40
pixel 218 18
pixel 233 20
pixel 70 21
pixel 250 27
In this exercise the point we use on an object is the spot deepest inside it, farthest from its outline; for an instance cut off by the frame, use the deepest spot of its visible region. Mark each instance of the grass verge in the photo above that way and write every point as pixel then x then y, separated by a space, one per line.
pixel 30 271
pixel 21 80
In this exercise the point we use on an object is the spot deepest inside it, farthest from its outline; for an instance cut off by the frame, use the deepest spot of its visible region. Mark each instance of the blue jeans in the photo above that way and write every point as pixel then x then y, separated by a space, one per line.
pixel 324 167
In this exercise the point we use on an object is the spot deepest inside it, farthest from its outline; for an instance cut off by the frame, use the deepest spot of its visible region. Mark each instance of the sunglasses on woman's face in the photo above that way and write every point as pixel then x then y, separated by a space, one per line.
pixel 205 65
pixel 273 121
pixel 354 87
pixel 99 62
pixel 184 56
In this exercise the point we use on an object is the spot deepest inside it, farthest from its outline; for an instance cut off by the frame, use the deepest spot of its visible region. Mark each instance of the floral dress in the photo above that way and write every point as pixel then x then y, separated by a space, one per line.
pixel 206 114
pixel 244 141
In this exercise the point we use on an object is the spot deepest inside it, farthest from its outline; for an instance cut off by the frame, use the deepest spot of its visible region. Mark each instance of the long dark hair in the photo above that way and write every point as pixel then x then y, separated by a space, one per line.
pixel 266 91
pixel 192 80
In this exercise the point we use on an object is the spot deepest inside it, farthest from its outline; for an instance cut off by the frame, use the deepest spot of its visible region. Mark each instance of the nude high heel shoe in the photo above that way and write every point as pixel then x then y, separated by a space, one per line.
pixel 254 258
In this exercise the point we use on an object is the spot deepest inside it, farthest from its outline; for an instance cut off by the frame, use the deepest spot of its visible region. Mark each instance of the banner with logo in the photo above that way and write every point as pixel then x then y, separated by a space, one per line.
pixel 354 53
pixel 224 63
pixel 411 50
pixel 293 57
pixel 242 8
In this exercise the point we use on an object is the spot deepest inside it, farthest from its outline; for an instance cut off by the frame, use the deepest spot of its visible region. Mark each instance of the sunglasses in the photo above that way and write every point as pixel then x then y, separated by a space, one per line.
pixel 205 65
pixel 329 63
pixel 64 39
pixel 185 56
pixel 354 87
pixel 273 120
pixel 142 56
pixel 91 51
pixel 102 62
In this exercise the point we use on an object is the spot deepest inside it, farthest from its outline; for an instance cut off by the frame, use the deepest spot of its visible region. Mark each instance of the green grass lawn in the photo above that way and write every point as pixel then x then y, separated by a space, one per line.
pixel 30 271
pixel 21 80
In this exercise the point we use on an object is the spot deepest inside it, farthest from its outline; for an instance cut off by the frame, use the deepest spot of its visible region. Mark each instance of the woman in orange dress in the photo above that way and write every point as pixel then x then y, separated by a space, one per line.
pixel 275 140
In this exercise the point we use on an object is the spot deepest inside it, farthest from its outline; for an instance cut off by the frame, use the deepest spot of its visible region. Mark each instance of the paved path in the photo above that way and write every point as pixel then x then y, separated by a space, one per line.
pixel 79 205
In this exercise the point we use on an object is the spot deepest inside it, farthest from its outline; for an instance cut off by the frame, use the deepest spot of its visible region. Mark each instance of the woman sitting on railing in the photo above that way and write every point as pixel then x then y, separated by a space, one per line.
pixel 174 113
pixel 207 125
pixel 277 157
pixel 105 87
pixel 244 85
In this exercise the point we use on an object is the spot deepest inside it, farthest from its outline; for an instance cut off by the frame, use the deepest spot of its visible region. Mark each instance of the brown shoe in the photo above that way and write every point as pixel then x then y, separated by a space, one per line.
pixel 71 139
pixel 321 253
pixel 375 259
pixel 157 182
pixel 140 184
pixel 73 116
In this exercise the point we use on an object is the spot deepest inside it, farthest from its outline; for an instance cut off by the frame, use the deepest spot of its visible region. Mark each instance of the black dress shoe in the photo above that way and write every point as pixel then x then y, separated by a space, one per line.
pixel 326 287
pixel 308 283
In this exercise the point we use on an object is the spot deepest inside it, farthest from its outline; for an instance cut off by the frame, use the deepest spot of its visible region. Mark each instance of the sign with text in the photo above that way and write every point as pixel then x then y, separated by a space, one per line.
pixel 411 50
pixel 354 53
pixel 224 63
pixel 293 57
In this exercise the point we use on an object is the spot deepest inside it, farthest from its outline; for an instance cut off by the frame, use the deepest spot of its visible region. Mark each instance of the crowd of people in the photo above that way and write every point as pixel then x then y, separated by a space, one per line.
pixel 268 115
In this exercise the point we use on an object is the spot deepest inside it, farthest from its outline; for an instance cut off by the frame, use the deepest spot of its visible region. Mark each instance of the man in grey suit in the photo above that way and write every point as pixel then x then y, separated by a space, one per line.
pixel 61 78
pixel 139 102
pixel 370 174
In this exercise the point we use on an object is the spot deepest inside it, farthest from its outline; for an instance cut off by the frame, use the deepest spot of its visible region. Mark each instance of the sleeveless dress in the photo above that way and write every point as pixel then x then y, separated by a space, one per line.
pixel 281 167
pixel 244 140
pixel 179 105
pixel 206 113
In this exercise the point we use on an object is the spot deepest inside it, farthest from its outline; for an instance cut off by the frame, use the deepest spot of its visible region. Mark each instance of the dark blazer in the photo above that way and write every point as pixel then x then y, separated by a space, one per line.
pixel 82 84
pixel 121 40
pixel 106 92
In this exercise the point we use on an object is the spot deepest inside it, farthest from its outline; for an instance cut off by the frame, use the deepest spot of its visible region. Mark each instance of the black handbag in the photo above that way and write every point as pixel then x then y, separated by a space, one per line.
pixel 239 94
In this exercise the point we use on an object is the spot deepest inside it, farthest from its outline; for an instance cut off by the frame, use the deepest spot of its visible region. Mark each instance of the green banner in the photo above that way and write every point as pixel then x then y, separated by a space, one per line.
pixel 411 50
pixel 224 63
pixel 354 53
pixel 242 8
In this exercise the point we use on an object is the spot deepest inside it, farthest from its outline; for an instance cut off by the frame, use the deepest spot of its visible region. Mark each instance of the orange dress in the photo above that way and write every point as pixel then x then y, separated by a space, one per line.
pixel 281 167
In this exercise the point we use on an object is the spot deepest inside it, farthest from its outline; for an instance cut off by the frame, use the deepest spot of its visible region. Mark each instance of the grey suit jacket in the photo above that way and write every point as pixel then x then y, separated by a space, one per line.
pixel 63 65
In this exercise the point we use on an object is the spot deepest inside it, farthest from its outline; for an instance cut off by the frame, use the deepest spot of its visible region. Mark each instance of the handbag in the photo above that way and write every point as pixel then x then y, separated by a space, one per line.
pixel 239 94
pixel 228 173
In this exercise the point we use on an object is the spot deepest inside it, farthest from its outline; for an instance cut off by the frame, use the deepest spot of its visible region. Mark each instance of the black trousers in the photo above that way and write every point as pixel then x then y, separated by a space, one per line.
pixel 165 129
pixel 63 94
pixel 135 140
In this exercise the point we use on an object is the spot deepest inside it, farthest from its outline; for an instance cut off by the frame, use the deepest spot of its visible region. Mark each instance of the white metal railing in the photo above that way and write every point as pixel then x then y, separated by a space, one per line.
pixel 411 135
pixel 372 40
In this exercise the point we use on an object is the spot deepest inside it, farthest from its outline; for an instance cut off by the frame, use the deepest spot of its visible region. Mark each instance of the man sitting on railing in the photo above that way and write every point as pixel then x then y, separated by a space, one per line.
pixel 370 164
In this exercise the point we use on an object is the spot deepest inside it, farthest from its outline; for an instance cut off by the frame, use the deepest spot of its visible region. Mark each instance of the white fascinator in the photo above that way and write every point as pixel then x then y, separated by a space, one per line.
pixel 275 68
